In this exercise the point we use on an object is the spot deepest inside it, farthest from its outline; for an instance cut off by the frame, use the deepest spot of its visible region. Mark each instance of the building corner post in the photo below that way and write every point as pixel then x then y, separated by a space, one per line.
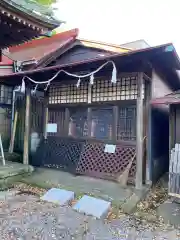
pixel 139 133
pixel 46 114
pixel 27 127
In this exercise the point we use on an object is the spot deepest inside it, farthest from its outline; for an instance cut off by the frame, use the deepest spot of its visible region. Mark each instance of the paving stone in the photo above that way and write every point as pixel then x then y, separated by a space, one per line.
pixel 60 196
pixel 24 218
pixel 93 206
pixel 170 212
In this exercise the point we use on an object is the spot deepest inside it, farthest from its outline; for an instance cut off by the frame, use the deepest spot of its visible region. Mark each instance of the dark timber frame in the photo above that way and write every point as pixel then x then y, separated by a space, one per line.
pixel 139 134
pixel 27 127
pixel 51 110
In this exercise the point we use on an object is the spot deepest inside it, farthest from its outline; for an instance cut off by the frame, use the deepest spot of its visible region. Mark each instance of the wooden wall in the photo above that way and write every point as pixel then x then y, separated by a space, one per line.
pixel 80 53
pixel 159 126
pixel 177 124
pixel 101 91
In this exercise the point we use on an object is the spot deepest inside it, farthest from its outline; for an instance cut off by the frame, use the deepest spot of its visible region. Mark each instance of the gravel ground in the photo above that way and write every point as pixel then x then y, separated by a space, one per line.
pixel 24 216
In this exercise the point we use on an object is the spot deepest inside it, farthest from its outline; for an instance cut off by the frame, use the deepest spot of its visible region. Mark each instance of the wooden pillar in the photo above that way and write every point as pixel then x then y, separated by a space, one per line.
pixel 139 133
pixel 66 126
pixel 89 111
pixel 115 122
pixel 89 121
pixel 147 121
pixel 27 127
pixel 46 113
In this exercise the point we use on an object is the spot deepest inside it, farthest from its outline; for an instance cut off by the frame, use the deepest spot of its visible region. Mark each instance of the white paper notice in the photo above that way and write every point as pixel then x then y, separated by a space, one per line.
pixel 52 127
pixel 109 148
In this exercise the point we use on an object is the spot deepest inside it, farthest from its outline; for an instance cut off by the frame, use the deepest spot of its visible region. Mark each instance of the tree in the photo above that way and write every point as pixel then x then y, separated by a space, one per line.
pixel 45 7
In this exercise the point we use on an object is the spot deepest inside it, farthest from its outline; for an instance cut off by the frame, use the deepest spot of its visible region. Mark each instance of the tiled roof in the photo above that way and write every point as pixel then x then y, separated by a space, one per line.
pixel 32 10
pixel 38 48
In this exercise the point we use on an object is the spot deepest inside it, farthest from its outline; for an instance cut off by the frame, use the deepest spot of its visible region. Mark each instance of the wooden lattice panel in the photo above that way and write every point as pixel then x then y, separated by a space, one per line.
pixel 78 126
pixel 6 93
pixel 126 129
pixel 124 89
pixel 102 123
pixel 95 162
pixel 58 117
pixel 58 152
pixel 68 93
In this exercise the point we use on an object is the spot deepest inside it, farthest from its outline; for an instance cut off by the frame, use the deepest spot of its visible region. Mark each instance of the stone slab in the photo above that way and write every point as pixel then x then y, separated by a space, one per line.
pixel 92 206
pixel 130 204
pixel 57 195
pixel 170 211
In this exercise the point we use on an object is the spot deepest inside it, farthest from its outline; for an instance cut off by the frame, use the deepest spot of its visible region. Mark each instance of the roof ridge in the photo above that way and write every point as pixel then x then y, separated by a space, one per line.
pixel 103 43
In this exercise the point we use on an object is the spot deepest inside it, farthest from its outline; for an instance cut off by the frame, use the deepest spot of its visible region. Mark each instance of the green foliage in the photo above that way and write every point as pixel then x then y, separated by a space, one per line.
pixel 45 2
pixel 42 6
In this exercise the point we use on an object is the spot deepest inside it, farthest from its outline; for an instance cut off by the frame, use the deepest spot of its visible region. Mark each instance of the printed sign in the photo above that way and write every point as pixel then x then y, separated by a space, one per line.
pixel 109 148
pixel 51 127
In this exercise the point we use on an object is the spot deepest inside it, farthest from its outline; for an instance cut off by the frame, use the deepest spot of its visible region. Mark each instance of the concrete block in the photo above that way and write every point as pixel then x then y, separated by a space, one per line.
pixel 92 206
pixel 130 204
pixel 60 196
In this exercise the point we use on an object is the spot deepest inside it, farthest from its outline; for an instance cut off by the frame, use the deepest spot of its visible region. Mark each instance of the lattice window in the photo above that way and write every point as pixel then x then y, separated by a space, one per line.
pixel 6 94
pixel 58 117
pixel 68 93
pixel 78 126
pixel 124 89
pixel 102 122
pixel 127 123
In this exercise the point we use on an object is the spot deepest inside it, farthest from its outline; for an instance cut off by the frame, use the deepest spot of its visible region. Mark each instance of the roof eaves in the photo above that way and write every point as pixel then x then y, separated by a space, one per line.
pixel 49 57
pixel 43 40
pixel 130 53
pixel 34 16
pixel 77 42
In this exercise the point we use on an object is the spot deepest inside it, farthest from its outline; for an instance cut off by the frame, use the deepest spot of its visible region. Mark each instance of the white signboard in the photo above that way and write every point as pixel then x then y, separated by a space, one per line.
pixel 109 148
pixel 51 127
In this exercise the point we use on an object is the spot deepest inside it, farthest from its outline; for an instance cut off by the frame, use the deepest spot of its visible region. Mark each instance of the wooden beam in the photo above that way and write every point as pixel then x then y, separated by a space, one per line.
pixel 139 133
pixel 89 111
pixel 46 114
pixel 27 127
pixel 89 120
pixel 11 147
pixel 115 122
pixel 66 124
pixel 147 132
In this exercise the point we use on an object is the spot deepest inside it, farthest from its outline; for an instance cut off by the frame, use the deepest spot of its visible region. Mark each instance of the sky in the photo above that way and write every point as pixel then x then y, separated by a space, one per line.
pixel 121 21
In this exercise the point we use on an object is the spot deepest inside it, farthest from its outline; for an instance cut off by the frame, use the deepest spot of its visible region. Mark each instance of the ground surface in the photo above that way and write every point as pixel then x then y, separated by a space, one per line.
pixel 24 216
pixel 127 198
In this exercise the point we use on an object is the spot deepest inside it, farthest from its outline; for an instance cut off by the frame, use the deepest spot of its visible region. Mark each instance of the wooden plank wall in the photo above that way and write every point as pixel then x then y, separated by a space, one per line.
pixel 174 172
